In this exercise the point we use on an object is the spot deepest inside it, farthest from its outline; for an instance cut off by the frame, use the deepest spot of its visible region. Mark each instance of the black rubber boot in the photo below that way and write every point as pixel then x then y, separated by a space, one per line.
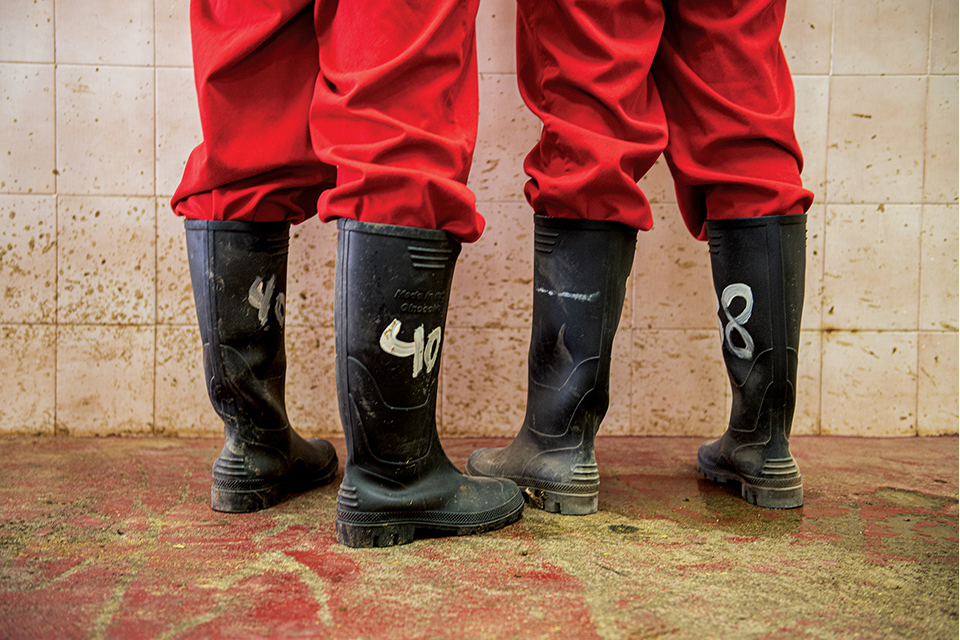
pixel 392 290
pixel 239 273
pixel 758 273
pixel 579 283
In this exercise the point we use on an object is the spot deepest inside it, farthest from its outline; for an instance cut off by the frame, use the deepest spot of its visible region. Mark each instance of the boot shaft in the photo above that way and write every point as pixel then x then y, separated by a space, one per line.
pixel 758 271
pixel 392 291
pixel 238 272
pixel 580 273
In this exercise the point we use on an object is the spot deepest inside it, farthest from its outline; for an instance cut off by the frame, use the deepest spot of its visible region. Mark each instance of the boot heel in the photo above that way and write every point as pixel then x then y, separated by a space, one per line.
pixel 243 501
pixel 786 498
pixel 364 537
pixel 562 503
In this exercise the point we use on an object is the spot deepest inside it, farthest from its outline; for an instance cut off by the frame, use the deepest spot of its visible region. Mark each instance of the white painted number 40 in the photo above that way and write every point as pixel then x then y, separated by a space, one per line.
pixel 424 351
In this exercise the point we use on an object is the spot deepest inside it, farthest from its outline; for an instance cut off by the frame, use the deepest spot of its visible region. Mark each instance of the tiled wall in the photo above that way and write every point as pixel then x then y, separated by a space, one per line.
pixel 97 335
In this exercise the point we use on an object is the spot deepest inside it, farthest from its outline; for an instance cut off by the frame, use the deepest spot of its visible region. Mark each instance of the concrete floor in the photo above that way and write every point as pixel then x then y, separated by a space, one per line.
pixel 113 538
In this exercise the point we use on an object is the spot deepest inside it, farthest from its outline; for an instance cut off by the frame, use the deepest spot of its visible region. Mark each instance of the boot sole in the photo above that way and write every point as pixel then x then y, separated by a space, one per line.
pixel 226 499
pixel 786 493
pixel 389 534
pixel 567 500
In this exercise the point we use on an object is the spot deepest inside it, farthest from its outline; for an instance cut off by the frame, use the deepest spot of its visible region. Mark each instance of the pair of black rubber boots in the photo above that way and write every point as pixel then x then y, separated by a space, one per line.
pixel 392 291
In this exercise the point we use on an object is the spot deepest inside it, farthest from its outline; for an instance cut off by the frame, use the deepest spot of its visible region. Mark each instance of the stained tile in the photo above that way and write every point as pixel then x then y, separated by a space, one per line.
pixel 810 123
pixel 938 268
pixel 875 145
pixel 941 167
pixel 507 132
pixel 311 382
pixel 484 381
pixel 937 388
pixel 106 248
pixel 619 418
pixel 174 291
pixel 105 130
pixel 679 383
pixel 105 380
pixel 311 272
pixel 493 282
pixel 27 142
pixel 943 46
pixel 183 407
pixel 29 357
pixel 813 280
pixel 806 417
pixel 178 126
pixel 657 184
pixel 172 24
pixel 807 36
pixel 673 285
pixel 28 258
pixel 871 271
pixel 496 36
pixel 890 37
pixel 858 364
pixel 104 32
pixel 26 31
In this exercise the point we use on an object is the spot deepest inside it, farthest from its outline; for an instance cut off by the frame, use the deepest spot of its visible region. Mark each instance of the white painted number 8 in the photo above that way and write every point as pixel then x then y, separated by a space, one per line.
pixel 731 293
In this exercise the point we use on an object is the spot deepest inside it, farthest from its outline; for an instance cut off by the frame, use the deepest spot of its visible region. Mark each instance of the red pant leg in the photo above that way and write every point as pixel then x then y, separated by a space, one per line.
pixel 395 110
pixel 255 65
pixel 584 68
pixel 728 96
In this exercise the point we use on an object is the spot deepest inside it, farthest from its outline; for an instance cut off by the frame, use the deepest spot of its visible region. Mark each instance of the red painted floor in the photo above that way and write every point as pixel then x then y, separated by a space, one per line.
pixel 114 538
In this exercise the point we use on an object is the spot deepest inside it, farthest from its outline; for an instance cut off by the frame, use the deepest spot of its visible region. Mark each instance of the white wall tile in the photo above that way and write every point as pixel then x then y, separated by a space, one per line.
pixel 810 124
pixel 807 36
pixel 28 258
pixel 105 130
pixel 26 31
pixel 172 24
pixel 679 383
pixel 28 378
pixel 877 37
pixel 937 388
pixel 806 417
pixel 875 145
pixel 869 383
pixel 27 117
pixel 943 46
pixel 493 282
pixel 174 290
pixel 106 248
pixel 673 285
pixel 813 278
pixel 105 380
pixel 311 273
pixel 496 28
pixel 178 126
pixel 507 132
pixel 484 381
pixel 183 407
pixel 871 274
pixel 941 165
pixel 104 32
pixel 938 268
pixel 311 391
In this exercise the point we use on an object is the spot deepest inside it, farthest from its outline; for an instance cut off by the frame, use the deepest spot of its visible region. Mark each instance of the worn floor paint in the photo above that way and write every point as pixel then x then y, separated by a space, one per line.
pixel 113 538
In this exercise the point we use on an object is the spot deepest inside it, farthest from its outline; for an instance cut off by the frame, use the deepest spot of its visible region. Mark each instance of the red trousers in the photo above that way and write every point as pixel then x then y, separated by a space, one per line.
pixel 368 110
